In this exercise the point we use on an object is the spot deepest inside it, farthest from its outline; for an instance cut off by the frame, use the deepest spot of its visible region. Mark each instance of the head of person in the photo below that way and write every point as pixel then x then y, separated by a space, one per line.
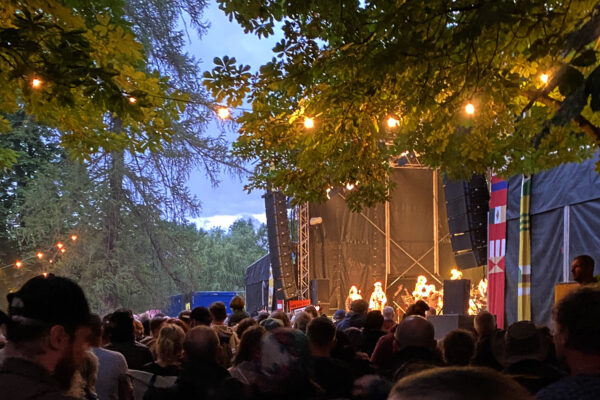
pixel 261 316
pixel 96 330
pixel 218 312
pixel 582 269
pixel 320 333
pixel 201 345
pixel 243 325
pixel 155 324
pixel 458 347
pixel 47 323
pixel 121 326
pixel 339 315
pixel 169 346
pixel 301 321
pixel 388 313
pixel 179 323
pixel 374 320
pixel 523 341
pixel 415 331
pixel 200 316
pixel 283 317
pixel 184 316
pixel 89 371
pixel 249 349
pixel 237 304
pixel 312 310
pixel 138 329
pixel 484 324
pixel 576 327
pixel 458 383
pixel 359 306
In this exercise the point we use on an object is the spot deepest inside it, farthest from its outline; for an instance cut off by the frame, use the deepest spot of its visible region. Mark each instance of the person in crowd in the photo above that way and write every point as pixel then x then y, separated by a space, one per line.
pixel 122 340
pixel 112 382
pixel 179 323
pixel 237 305
pixel 202 376
pixel 47 336
pixel 487 333
pixel 200 316
pixel 373 331
pixel 356 317
pixel 262 316
pixel 458 383
pixel 582 269
pixel 139 330
pixel 156 323
pixel 414 342
pixel 284 366
pixel 388 318
pixel 371 387
pixel 312 311
pixel 526 355
pixel 243 325
pixel 184 316
pixel 331 376
pixel 338 317
pixel 577 342
pixel 246 363
pixel 283 317
pixel 88 372
pixel 458 347
pixel 169 349
pixel 227 337
pixel 419 308
pixel 271 323
pixel 301 321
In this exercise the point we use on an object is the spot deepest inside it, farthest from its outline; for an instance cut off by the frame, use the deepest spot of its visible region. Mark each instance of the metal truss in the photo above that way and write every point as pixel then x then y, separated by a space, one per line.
pixel 303 252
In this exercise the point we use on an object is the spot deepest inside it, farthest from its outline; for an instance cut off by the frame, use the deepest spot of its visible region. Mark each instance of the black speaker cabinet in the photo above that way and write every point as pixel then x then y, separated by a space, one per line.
pixel 319 291
pixel 456 296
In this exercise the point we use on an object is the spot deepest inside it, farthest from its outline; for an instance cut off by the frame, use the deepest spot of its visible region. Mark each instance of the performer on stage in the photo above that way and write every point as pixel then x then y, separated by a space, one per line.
pixel 378 298
pixel 354 294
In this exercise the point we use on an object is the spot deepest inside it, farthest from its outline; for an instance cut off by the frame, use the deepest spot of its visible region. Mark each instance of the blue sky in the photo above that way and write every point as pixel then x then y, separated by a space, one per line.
pixel 227 202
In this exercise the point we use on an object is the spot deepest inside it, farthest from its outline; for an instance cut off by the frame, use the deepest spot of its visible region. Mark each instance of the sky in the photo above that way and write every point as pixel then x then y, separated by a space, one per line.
pixel 224 204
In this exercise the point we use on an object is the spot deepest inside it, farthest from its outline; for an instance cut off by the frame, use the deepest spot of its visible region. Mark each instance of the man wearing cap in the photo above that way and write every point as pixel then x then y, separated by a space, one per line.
pixel 47 336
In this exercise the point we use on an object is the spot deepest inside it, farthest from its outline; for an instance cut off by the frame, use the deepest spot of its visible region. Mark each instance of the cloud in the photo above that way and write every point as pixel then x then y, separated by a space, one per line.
pixel 225 221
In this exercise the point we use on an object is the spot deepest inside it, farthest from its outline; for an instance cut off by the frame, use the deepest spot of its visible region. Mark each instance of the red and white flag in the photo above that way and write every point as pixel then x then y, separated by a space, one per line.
pixel 497 248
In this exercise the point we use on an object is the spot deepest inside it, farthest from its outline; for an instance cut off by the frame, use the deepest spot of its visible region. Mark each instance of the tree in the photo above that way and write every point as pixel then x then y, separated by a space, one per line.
pixel 529 69
pixel 68 64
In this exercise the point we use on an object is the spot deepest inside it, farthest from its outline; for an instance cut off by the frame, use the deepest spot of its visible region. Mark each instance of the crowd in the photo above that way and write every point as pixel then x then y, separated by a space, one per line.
pixel 56 349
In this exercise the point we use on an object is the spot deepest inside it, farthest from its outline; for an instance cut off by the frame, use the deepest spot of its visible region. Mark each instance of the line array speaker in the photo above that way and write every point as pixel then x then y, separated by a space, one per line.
pixel 467 206
pixel 280 245
pixel 319 291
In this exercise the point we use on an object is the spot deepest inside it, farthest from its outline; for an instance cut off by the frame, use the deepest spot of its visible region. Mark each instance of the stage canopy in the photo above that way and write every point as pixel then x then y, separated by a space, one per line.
pixel 257 284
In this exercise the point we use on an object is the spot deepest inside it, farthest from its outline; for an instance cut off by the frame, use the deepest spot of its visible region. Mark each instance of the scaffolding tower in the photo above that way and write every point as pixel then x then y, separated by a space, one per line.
pixel 303 252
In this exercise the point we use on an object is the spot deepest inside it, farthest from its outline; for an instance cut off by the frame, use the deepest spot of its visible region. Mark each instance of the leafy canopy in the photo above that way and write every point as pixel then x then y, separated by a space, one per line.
pixel 351 65
pixel 69 64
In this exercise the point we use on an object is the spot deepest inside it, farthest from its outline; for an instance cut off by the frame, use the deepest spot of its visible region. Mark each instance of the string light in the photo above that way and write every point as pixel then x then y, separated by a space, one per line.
pixel 393 122
pixel 350 186
pixel 132 100
pixel 39 255
pixel 223 113
pixel 327 193
pixel 59 245
pixel 73 237
pixel 36 83
pixel 544 78
pixel 45 274
pixel 470 109
pixel 309 123
pixel 63 250
pixel 18 264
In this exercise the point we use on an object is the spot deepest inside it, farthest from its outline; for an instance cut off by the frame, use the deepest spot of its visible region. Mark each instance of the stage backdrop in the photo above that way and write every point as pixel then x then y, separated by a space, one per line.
pixel 565 208
pixel 349 248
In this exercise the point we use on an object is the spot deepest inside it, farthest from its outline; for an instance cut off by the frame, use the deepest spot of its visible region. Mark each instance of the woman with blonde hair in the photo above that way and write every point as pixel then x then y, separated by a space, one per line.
pixel 169 349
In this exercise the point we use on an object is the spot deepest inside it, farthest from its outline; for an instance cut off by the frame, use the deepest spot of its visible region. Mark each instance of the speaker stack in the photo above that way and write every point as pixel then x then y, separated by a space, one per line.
pixel 280 245
pixel 467 206
pixel 319 293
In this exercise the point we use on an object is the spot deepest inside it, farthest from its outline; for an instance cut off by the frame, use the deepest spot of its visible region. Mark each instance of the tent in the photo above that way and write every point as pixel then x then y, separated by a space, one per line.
pixel 257 281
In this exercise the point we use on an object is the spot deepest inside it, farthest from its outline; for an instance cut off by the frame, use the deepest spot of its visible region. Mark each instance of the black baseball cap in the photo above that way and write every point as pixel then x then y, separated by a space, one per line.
pixel 52 300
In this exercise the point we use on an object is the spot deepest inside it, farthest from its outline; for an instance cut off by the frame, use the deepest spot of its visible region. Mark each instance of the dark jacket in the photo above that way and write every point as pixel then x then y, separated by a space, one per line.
pixel 353 320
pixel 23 380
pixel 136 354
pixel 236 316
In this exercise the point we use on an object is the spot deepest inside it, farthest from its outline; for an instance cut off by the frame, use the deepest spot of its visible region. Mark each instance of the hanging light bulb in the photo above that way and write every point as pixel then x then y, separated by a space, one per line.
pixel 36 83
pixel 309 123
pixel 544 78
pixel 73 237
pixel 350 186
pixel 63 250
pixel 45 274
pixel 59 245
pixel 327 193
pixel 470 109
pixel 223 113
pixel 39 255
pixel 393 122
pixel 18 264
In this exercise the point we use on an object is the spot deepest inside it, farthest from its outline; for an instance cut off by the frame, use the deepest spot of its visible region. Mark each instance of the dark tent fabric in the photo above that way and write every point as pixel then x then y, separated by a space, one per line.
pixel 348 248
pixel 257 284
pixel 576 186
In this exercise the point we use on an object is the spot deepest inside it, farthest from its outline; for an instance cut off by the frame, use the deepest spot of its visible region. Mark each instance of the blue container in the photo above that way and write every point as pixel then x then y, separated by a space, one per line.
pixel 176 306
pixel 207 298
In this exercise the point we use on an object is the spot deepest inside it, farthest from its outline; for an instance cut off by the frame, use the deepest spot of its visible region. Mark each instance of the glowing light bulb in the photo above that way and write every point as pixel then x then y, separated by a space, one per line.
pixel 63 250
pixel 327 193
pixel 36 83
pixel 544 78
pixel 18 264
pixel 392 122
pixel 59 245
pixel 132 100
pixel 350 186
pixel 39 255
pixel 309 123
pixel 470 109
pixel 45 274
pixel 73 237
pixel 223 112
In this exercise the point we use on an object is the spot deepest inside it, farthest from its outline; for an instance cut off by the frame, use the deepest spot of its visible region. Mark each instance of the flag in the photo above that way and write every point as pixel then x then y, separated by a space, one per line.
pixel 496 248
pixel 524 287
